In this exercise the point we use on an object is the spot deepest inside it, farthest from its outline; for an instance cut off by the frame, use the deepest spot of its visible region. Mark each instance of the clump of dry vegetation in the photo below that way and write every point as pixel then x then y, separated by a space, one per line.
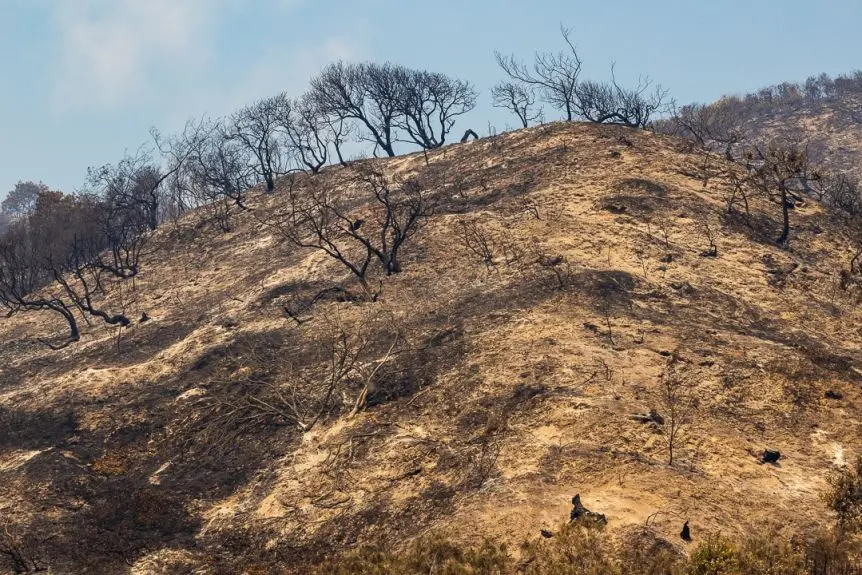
pixel 579 550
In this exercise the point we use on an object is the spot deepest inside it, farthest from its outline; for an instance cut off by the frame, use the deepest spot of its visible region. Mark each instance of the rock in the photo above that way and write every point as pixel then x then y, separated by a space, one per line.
pixel 144 318
pixel 685 535
pixel 652 417
pixel 684 287
pixel 832 394
pixel 770 456
pixel 546 534
pixel 579 511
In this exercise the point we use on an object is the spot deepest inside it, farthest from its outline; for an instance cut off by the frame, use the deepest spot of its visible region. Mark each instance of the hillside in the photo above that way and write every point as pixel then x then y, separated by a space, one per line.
pixel 832 129
pixel 501 388
pixel 823 114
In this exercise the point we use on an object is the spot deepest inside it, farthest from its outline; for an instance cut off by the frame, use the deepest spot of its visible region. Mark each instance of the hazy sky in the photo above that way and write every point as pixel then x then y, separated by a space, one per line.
pixel 83 80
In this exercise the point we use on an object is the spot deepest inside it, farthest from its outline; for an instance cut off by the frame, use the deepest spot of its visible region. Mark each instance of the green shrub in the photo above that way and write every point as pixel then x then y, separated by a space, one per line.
pixel 770 556
pixel 715 556
pixel 574 550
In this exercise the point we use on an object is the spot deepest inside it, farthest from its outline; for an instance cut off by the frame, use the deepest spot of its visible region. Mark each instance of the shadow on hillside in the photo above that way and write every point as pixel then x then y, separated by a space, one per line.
pixel 25 430
pixel 697 312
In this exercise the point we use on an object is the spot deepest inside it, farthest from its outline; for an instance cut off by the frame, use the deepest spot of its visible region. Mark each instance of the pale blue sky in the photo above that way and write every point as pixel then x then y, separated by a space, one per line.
pixel 83 80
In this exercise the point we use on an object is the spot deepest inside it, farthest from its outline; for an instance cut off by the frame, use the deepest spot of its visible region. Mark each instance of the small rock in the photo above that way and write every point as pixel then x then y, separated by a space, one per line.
pixel 546 534
pixel 652 417
pixel 832 394
pixel 686 532
pixel 144 318
pixel 770 456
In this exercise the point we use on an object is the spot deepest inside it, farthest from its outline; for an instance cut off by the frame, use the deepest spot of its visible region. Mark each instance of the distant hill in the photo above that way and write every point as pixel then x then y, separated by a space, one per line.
pixel 824 112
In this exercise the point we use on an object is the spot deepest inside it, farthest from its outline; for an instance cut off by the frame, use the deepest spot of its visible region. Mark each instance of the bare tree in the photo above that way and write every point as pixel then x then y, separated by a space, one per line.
pixel 177 151
pixel 73 256
pixel 307 382
pixel 429 105
pixel 554 75
pixel 842 193
pixel 719 125
pixel 83 280
pixel 610 103
pixel 65 255
pixel 309 133
pixel 218 175
pixel 340 130
pixel 133 185
pixel 356 228
pixel 477 240
pixel 257 128
pixel 366 93
pixel 517 98
pixel 22 282
pixel 676 402
pixel 776 169
pixel 119 238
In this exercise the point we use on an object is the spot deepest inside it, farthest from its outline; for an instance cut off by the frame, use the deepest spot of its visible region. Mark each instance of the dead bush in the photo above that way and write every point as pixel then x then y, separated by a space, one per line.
pixel 301 382
pixel 477 240
pixel 641 185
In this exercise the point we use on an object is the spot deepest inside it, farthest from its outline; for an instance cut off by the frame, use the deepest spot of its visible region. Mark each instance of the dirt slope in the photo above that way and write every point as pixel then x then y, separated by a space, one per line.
pixel 512 391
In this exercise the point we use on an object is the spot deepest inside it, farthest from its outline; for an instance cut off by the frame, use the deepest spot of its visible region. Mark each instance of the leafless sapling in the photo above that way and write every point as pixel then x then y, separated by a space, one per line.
pixel 676 402
pixel 712 250
pixel 477 240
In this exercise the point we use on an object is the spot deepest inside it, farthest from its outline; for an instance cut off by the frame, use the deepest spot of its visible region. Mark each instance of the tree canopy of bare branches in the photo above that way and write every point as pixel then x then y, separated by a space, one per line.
pixel 430 104
pixel 610 103
pixel 719 125
pixel 554 75
pixel 370 223
pixel 776 169
pixel 22 282
pixel 69 251
pixel 365 93
pixel 385 99
pixel 256 129
pixel 517 98
pixel 310 133
pixel 217 174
